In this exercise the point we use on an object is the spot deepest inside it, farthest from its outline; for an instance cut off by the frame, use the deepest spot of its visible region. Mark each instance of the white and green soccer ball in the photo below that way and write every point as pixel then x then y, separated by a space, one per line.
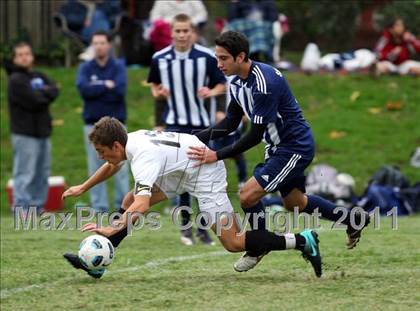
pixel 96 252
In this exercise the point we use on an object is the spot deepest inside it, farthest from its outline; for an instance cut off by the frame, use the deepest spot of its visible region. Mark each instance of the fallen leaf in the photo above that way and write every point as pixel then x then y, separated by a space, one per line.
pixel 145 83
pixel 354 96
pixel 78 110
pixel 58 122
pixel 397 105
pixel 393 85
pixel 337 134
pixel 374 110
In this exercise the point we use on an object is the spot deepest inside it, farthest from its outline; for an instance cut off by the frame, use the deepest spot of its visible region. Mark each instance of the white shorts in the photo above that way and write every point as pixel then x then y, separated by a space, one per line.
pixel 206 182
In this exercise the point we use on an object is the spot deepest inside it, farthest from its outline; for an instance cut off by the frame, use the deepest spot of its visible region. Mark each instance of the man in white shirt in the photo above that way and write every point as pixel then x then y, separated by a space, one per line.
pixel 161 170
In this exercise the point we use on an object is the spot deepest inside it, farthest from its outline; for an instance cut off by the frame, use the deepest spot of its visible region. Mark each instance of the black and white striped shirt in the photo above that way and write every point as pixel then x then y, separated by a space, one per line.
pixel 184 74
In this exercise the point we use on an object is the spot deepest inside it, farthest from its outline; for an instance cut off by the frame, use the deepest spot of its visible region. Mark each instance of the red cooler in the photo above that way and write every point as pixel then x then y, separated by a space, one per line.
pixel 56 186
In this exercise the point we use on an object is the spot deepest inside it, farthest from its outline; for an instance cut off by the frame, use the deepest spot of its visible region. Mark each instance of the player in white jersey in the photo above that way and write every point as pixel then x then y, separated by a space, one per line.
pixel 161 170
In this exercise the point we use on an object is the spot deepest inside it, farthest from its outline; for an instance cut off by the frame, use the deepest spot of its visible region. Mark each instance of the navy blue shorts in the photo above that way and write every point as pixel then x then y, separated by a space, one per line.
pixel 283 171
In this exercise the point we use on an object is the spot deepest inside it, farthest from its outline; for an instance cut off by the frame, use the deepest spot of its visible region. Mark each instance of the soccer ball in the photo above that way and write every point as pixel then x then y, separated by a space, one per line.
pixel 96 252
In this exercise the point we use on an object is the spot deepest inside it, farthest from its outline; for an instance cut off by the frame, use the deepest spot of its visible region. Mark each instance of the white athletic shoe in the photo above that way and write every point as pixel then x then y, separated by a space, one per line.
pixel 187 237
pixel 247 262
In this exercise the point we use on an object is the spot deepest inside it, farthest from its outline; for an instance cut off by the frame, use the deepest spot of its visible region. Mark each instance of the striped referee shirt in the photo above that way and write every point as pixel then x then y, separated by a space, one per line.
pixel 184 74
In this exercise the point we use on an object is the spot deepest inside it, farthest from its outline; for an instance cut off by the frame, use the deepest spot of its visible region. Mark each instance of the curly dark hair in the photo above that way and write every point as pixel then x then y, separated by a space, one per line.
pixel 234 42
pixel 107 131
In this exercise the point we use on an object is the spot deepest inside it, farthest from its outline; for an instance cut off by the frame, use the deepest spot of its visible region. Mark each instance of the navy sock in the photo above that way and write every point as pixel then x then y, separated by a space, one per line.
pixel 325 208
pixel 254 211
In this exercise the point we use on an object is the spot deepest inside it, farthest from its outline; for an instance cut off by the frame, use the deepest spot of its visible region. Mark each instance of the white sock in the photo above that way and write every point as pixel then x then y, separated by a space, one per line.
pixel 290 240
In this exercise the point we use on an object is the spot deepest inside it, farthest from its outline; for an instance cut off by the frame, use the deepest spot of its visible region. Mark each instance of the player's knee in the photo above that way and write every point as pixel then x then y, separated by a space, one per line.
pixel 295 199
pixel 291 205
pixel 246 199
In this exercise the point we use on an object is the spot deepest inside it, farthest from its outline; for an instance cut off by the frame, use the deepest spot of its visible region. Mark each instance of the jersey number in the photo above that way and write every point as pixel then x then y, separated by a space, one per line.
pixel 166 142
pixel 161 141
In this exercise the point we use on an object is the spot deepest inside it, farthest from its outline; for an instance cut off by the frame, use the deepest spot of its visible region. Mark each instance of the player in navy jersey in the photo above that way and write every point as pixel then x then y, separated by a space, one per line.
pixel 261 93
pixel 184 74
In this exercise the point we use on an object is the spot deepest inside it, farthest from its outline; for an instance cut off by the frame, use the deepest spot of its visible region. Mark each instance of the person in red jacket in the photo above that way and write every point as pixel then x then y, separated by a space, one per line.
pixel 396 49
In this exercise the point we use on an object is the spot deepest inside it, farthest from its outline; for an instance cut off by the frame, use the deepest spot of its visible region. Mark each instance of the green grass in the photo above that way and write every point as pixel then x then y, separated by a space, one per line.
pixel 152 271
pixel 381 273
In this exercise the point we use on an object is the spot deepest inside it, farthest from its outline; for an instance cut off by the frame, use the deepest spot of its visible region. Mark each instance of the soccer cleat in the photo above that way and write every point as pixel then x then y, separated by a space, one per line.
pixel 97 274
pixel 187 237
pixel 311 252
pixel 77 264
pixel 204 237
pixel 353 235
pixel 247 262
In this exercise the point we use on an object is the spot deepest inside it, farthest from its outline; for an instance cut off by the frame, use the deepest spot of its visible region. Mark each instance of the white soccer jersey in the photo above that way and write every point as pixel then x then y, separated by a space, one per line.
pixel 152 154
pixel 160 158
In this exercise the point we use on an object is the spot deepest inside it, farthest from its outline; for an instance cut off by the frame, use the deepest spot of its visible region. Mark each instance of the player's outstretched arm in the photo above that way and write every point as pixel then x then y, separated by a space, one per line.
pixel 104 172
pixel 140 205
pixel 73 191
pixel 225 126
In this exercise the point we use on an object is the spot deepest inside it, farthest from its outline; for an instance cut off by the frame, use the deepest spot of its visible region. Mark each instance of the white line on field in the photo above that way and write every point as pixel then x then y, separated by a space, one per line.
pixel 5 293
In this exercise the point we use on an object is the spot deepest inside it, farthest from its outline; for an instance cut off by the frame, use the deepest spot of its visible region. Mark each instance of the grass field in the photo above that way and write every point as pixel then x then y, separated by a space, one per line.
pixel 354 132
pixel 153 271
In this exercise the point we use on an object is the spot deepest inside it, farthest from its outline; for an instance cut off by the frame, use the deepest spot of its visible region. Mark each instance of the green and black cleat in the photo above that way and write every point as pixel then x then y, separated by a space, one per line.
pixel 74 260
pixel 311 251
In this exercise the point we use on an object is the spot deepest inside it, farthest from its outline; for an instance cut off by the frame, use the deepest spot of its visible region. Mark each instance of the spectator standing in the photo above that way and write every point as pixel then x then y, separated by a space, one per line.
pixel 184 74
pixel 30 94
pixel 102 85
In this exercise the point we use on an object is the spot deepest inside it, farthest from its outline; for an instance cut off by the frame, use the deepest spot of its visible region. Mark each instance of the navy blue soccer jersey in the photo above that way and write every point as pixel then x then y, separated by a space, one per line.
pixel 266 98
pixel 184 74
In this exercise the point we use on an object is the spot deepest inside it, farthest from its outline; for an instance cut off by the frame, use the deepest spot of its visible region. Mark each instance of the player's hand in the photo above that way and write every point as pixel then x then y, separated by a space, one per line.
pixel 92 227
pixel 109 84
pixel 204 92
pixel 220 115
pixel 202 154
pixel 396 50
pixel 159 128
pixel 408 36
pixel 74 191
pixel 162 92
